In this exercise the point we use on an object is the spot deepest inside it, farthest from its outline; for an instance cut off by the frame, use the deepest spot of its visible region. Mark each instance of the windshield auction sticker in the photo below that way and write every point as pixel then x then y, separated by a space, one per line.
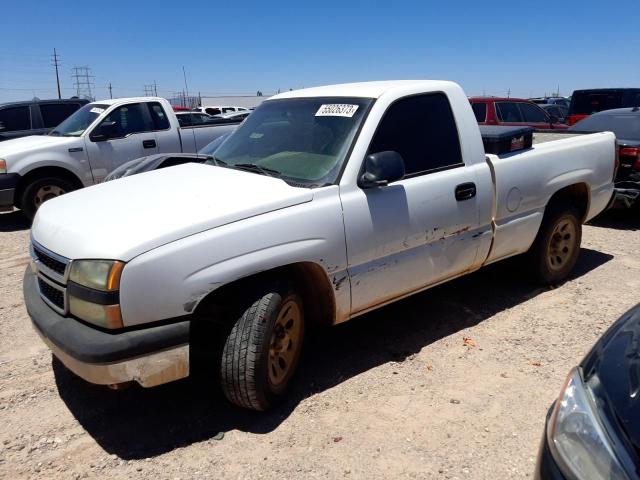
pixel 336 110
pixel 96 110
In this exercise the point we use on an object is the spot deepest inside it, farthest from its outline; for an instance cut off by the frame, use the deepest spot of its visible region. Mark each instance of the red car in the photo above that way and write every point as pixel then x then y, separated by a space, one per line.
pixel 513 111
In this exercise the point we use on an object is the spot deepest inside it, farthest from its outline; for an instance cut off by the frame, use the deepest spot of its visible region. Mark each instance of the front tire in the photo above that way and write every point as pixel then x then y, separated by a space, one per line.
pixel 556 248
pixel 261 353
pixel 39 191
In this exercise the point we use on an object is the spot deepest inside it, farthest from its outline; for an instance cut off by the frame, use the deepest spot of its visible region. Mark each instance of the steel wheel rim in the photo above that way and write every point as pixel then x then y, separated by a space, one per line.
pixel 47 192
pixel 561 244
pixel 285 343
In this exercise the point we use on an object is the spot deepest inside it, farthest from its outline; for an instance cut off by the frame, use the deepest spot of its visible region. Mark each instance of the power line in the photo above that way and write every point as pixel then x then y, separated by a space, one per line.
pixel 83 82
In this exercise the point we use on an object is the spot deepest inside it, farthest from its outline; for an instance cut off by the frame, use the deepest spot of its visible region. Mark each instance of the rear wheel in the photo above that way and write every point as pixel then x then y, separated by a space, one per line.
pixel 41 190
pixel 261 353
pixel 555 250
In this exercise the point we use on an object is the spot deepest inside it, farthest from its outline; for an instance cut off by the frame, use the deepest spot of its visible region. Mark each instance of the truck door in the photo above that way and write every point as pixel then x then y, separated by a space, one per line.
pixel 130 135
pixel 419 230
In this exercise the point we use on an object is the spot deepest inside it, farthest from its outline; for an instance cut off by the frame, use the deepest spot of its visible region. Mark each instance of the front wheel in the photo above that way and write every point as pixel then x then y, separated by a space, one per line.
pixel 39 191
pixel 261 353
pixel 555 250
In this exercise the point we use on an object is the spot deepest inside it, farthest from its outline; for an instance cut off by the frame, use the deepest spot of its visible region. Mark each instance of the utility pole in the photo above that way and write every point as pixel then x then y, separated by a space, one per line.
pixel 110 91
pixel 56 63
pixel 148 90
pixel 509 93
pixel 155 89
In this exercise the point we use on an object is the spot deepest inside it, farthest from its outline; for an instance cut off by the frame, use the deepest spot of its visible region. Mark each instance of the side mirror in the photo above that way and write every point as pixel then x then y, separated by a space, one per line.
pixel 104 131
pixel 381 168
pixel 554 119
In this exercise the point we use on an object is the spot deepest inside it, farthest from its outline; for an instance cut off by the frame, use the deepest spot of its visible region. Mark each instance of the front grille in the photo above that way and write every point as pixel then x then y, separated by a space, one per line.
pixel 51 293
pixel 50 262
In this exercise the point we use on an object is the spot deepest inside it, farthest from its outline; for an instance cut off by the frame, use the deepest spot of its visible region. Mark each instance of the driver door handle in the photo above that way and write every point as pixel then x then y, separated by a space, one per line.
pixel 149 143
pixel 465 191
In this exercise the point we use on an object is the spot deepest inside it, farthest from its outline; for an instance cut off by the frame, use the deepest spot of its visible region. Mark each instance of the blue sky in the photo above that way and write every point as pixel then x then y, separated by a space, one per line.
pixel 240 47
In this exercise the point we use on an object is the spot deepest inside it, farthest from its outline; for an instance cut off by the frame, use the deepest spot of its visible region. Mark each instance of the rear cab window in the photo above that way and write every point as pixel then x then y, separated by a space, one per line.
pixel 423 131
pixel 158 116
pixel 480 111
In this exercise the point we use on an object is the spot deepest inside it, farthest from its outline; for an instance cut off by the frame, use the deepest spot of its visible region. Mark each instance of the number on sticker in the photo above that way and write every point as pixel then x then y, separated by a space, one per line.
pixel 336 110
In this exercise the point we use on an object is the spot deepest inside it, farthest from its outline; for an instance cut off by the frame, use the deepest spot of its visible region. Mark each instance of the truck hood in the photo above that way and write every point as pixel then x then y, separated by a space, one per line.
pixel 25 145
pixel 121 219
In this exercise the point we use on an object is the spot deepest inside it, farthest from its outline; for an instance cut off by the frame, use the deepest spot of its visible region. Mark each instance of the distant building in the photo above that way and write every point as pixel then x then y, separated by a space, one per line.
pixel 248 101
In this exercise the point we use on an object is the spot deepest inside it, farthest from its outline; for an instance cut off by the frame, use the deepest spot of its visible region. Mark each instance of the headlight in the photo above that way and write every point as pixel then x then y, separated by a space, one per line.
pixel 577 437
pixel 3 166
pixel 97 274
pixel 93 292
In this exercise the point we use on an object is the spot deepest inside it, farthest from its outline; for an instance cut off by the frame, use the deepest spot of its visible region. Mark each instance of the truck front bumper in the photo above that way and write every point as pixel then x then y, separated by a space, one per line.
pixel 150 356
pixel 8 184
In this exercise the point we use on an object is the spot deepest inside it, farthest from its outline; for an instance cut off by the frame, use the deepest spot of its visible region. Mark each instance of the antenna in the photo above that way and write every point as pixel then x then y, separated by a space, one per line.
pixel 186 87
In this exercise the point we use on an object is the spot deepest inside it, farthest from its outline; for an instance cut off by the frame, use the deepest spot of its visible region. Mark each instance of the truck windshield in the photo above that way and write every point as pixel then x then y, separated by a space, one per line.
pixel 304 140
pixel 76 124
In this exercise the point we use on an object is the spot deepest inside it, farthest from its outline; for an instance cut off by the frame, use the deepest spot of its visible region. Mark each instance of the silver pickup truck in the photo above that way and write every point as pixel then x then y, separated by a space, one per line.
pixel 92 142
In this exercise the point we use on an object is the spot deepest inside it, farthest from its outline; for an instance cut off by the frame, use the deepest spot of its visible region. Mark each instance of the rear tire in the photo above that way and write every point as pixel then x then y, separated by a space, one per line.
pixel 40 190
pixel 261 353
pixel 556 248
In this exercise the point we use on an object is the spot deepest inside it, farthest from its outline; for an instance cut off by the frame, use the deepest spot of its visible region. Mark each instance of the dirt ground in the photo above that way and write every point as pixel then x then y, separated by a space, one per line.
pixel 451 383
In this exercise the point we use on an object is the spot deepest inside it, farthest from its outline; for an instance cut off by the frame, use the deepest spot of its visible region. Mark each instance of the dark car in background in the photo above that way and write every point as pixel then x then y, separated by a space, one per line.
pixel 562 101
pixel 513 112
pixel 593 429
pixel 625 123
pixel 588 102
pixel 556 110
pixel 35 117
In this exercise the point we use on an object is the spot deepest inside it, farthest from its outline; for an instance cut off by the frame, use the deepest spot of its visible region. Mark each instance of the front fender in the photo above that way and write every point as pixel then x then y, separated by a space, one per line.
pixel 171 280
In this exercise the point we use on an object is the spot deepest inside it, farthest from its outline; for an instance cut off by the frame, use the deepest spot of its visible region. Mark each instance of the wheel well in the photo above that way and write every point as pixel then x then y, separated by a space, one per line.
pixel 45 172
pixel 577 195
pixel 309 279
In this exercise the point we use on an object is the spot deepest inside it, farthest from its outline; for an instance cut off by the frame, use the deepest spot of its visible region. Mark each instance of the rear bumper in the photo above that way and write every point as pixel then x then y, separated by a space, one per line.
pixel 150 356
pixel 8 185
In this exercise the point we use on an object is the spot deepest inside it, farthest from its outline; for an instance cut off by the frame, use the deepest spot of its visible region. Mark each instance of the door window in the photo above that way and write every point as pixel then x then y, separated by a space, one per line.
pixel 53 114
pixel 532 113
pixel 15 118
pixel 423 131
pixel 508 112
pixel 128 119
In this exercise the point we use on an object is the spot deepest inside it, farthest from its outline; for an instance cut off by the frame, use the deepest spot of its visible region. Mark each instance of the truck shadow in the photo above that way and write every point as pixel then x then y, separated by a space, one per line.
pixel 13 222
pixel 620 219
pixel 138 423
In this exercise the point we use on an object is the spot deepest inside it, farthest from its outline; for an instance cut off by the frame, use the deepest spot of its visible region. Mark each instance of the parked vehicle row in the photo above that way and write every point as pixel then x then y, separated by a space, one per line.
pixel 324 204
pixel 513 112
pixel 36 117
pixel 92 142
pixel 218 109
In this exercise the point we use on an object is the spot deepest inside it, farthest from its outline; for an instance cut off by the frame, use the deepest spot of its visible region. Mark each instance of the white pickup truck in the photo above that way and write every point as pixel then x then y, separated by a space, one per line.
pixel 326 203
pixel 93 141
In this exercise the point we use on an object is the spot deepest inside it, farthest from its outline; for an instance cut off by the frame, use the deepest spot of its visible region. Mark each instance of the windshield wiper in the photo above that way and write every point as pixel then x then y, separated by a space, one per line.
pixel 217 162
pixel 252 167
